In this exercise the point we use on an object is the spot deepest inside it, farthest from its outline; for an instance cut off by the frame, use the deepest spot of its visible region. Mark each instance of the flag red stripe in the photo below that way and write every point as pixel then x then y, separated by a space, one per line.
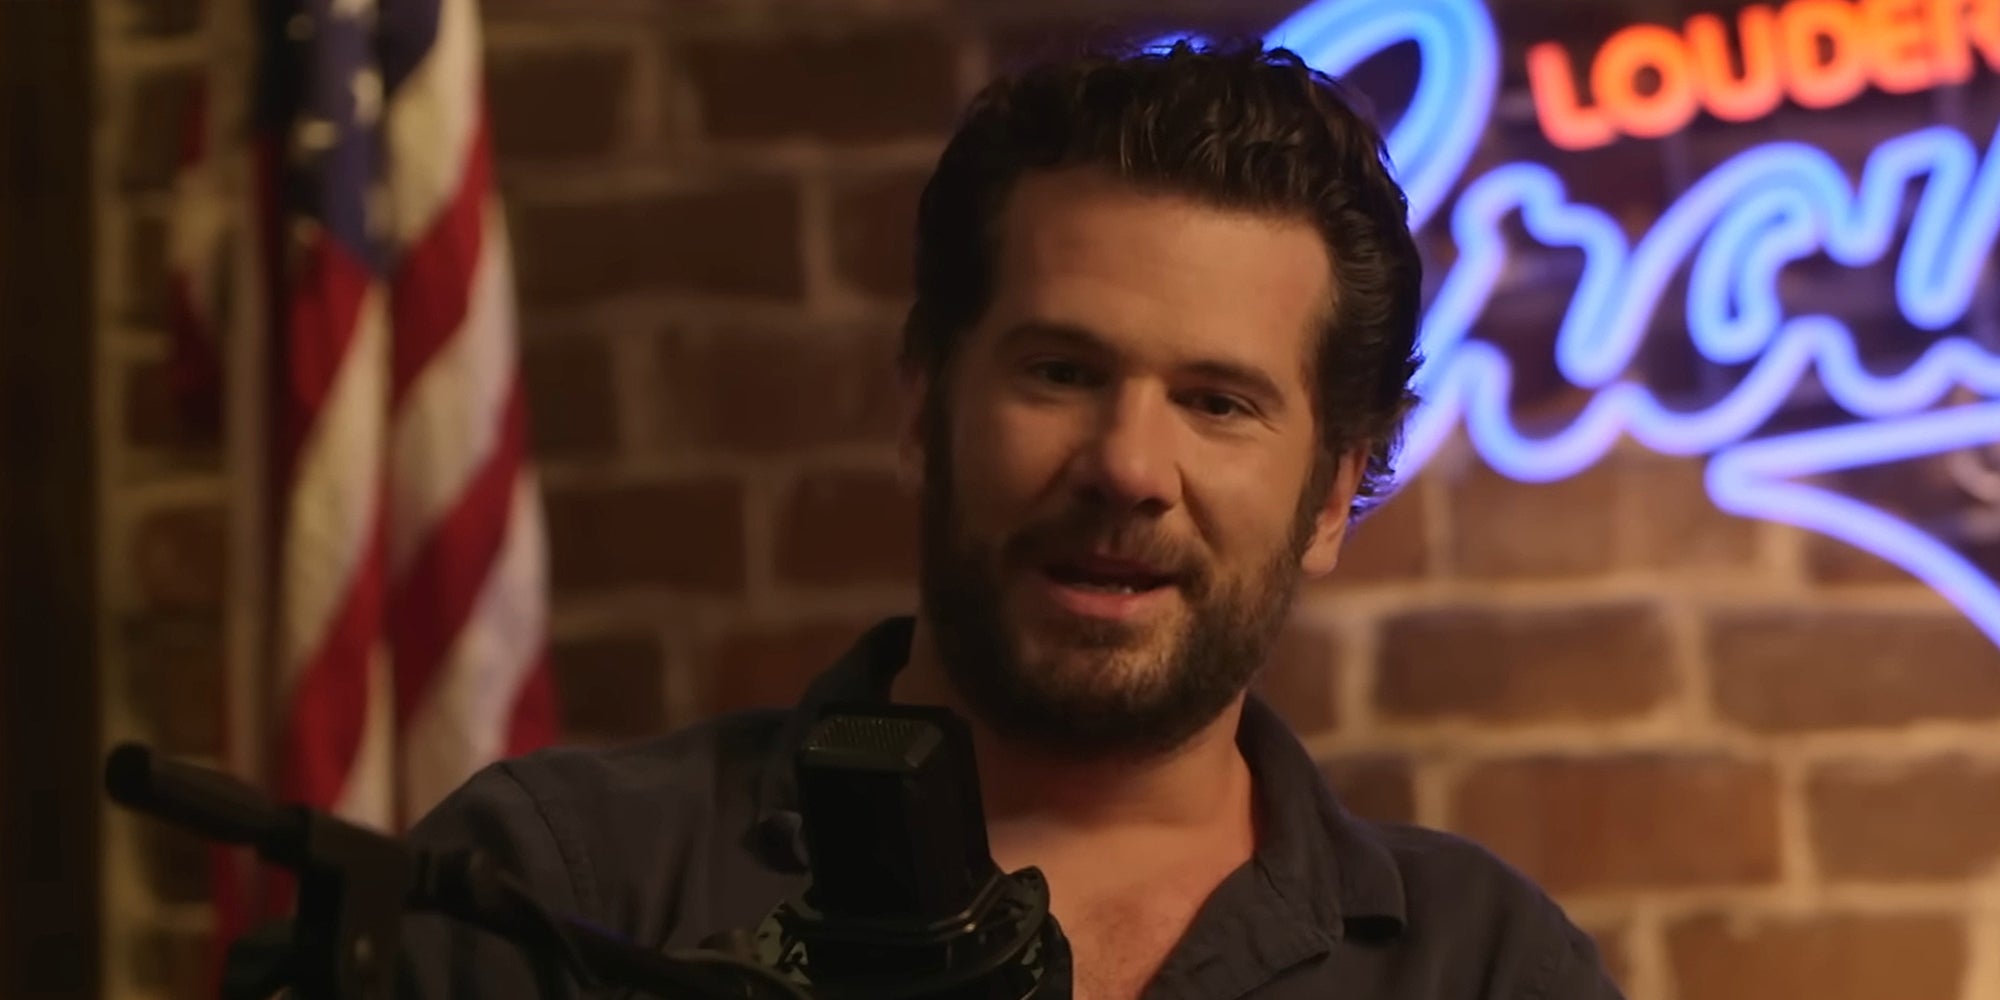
pixel 325 311
pixel 304 308
pixel 434 601
pixel 533 722
pixel 433 286
pixel 329 705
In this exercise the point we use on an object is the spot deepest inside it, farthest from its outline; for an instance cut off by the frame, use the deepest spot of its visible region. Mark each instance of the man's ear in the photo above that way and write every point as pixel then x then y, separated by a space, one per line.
pixel 1331 521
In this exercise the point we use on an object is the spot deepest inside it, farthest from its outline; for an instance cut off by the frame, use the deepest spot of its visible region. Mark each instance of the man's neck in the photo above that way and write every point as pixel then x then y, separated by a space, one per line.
pixel 1202 785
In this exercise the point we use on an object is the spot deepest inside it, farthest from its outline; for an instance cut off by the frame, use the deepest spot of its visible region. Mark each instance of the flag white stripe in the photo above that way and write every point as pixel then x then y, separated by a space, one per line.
pixel 368 796
pixel 336 493
pixel 451 417
pixel 463 722
pixel 430 121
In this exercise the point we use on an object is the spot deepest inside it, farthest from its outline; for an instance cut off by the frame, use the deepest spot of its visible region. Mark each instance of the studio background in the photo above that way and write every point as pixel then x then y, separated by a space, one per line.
pixel 1753 761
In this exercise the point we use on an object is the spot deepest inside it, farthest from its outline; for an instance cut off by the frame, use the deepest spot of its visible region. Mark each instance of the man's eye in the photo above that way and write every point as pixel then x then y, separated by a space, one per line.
pixel 1064 373
pixel 1218 405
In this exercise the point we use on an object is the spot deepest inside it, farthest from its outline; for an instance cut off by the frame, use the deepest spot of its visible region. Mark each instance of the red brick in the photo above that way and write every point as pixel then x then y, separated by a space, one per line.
pixel 771 392
pixel 1524 324
pixel 1924 489
pixel 771 667
pixel 1674 524
pixel 1832 562
pixel 1301 679
pixel 1794 670
pixel 610 687
pixel 161 416
pixel 556 103
pixel 145 282
pixel 1848 136
pixel 741 239
pixel 1506 529
pixel 178 557
pixel 1626 821
pixel 877 83
pixel 874 231
pixel 1391 544
pixel 155 121
pixel 572 400
pixel 1374 786
pixel 1865 299
pixel 1518 666
pixel 163 18
pixel 1978 110
pixel 175 862
pixel 1627 178
pixel 1016 44
pixel 683 535
pixel 176 683
pixel 1931 819
pixel 1581 25
pixel 171 962
pixel 1614 948
pixel 1380 85
pixel 844 528
pixel 1826 957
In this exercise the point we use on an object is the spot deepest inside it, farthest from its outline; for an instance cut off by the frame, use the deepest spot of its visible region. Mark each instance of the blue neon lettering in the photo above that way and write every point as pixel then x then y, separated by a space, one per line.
pixel 1734 231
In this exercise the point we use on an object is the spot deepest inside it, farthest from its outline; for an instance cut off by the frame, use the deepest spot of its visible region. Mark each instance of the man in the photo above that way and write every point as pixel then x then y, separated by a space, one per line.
pixel 1160 349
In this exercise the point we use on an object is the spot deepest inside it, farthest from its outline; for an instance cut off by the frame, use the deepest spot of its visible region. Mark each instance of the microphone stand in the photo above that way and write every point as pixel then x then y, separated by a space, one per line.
pixel 355 885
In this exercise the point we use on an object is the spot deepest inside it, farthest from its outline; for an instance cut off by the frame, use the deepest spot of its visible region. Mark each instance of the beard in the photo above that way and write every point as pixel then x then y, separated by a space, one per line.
pixel 1086 688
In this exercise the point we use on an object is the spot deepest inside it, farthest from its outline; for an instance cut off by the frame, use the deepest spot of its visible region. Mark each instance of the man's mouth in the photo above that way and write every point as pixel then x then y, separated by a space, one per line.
pixel 1109 576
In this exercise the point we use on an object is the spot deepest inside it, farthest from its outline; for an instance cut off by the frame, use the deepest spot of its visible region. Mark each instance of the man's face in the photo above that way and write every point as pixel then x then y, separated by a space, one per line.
pixel 1121 485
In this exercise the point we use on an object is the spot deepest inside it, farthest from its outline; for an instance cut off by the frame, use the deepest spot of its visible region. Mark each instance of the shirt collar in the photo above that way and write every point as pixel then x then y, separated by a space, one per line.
pixel 1329 868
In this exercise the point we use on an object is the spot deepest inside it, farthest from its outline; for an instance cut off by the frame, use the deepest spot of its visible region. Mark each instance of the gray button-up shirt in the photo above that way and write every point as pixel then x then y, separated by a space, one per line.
pixel 670 841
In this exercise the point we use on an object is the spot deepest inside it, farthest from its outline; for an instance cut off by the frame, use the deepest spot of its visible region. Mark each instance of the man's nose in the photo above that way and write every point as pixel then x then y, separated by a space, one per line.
pixel 1128 462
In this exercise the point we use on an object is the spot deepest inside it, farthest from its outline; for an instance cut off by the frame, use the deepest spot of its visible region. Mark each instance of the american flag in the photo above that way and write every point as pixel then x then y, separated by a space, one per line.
pixel 404 558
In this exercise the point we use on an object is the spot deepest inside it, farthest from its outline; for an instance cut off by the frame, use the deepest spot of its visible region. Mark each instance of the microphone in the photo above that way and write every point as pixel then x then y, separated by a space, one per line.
pixel 210 803
pixel 355 884
pixel 905 901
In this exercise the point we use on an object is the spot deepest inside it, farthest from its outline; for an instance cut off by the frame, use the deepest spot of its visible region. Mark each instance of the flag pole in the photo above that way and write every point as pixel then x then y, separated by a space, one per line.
pixel 245 351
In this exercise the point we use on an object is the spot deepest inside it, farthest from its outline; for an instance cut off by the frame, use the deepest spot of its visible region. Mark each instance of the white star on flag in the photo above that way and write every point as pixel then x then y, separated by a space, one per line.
pixel 315 136
pixel 367 89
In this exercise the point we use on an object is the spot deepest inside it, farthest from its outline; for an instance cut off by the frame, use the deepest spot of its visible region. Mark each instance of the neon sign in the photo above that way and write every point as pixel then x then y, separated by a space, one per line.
pixel 1820 53
pixel 1733 231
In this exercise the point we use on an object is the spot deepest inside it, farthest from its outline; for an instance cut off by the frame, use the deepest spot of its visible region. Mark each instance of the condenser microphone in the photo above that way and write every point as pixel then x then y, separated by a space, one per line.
pixel 904 900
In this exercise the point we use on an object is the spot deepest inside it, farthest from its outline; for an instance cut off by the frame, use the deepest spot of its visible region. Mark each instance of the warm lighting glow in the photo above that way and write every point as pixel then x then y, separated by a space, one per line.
pixel 1732 232
pixel 1647 80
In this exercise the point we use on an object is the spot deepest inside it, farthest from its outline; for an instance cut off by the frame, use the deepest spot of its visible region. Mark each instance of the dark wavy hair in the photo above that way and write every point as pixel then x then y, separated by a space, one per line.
pixel 1236 126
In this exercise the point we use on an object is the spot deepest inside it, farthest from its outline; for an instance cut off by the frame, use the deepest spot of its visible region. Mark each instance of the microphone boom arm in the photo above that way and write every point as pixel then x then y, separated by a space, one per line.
pixel 355 885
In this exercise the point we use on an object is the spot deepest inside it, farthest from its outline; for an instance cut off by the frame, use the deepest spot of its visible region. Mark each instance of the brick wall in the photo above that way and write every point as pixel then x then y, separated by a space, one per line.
pixel 161 508
pixel 1756 763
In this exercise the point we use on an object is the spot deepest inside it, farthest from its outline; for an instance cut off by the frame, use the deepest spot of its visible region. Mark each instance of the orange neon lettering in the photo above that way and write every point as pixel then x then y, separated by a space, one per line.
pixel 1951 51
pixel 1982 24
pixel 1566 122
pixel 1899 59
pixel 1614 79
pixel 1649 81
pixel 1729 97
pixel 1817 83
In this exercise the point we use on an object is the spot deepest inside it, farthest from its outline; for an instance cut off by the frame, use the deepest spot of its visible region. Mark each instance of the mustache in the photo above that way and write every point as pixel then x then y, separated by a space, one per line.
pixel 1116 536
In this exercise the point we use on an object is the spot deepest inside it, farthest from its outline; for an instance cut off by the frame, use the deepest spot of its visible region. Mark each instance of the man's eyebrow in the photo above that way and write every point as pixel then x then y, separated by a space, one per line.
pixel 1251 381
pixel 1056 333
pixel 1245 378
